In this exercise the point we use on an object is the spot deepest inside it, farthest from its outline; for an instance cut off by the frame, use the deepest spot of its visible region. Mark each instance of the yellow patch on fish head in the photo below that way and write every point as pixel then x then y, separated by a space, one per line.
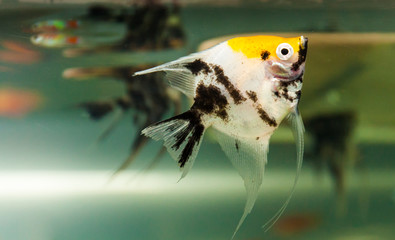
pixel 265 46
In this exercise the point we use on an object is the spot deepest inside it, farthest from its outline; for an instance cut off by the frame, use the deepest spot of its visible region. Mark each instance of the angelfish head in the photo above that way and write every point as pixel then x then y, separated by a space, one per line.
pixel 282 58
pixel 288 61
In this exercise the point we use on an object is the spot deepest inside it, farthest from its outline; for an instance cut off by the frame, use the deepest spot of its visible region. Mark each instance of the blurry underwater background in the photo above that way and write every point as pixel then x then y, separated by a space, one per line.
pixel 74 166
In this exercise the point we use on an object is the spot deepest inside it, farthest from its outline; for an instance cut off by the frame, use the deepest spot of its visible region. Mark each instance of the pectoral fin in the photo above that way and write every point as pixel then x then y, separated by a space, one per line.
pixel 298 131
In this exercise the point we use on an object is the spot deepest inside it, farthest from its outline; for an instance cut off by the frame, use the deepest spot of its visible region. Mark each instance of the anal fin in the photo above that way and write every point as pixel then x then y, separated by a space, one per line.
pixel 248 156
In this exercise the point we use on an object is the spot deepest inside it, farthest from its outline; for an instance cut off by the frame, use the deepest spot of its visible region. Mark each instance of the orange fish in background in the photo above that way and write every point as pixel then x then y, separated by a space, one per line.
pixel 295 224
pixel 17 47
pixel 16 103
pixel 18 53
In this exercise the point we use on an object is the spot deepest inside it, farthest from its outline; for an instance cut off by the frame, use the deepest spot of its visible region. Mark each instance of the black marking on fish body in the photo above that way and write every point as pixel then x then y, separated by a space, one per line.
pixel 300 78
pixel 298 94
pixel 262 113
pixel 286 84
pixel 257 138
pixel 294 82
pixel 265 117
pixel 283 89
pixel 198 66
pixel 252 95
pixel 265 55
pixel 301 57
pixel 237 145
pixel 285 94
pixel 224 80
pixel 210 100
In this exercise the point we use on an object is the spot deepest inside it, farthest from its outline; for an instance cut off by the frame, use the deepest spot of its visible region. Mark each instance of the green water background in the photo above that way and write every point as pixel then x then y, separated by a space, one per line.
pixel 58 137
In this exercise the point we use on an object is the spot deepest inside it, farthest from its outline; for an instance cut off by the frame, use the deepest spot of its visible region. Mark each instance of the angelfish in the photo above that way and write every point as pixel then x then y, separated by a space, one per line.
pixel 242 88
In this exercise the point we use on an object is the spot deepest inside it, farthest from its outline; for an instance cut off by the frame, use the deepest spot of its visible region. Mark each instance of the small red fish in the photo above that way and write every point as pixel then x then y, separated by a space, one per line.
pixel 72 24
pixel 16 103
pixel 72 40
pixel 291 225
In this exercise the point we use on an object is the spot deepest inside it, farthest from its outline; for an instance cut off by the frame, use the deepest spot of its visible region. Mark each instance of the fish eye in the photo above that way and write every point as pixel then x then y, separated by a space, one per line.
pixel 284 51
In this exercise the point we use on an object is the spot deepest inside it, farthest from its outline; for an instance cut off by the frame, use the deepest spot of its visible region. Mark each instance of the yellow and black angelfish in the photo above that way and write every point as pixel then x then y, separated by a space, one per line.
pixel 243 88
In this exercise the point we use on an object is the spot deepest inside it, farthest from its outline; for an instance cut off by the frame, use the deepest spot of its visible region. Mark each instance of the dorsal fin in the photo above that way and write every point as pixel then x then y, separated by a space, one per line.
pixel 178 74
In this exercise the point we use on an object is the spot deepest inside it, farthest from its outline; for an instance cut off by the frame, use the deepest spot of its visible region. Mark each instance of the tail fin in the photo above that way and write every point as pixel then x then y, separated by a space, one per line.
pixel 182 135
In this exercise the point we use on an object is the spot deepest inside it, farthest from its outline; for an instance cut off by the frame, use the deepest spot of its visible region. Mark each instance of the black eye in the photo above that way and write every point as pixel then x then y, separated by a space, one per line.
pixel 284 51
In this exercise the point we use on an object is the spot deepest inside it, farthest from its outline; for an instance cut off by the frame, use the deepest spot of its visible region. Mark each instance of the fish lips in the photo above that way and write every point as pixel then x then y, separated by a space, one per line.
pixel 285 73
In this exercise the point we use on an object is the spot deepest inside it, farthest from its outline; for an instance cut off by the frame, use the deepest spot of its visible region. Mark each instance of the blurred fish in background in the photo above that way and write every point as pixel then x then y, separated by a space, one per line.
pixel 61 40
pixel 334 149
pixel 96 14
pixel 17 103
pixel 148 98
pixel 291 225
pixel 55 25
pixel 100 26
pixel 151 26
pixel 18 53
pixel 56 40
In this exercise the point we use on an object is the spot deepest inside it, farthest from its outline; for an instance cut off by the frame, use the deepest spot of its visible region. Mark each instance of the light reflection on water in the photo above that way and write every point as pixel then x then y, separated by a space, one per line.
pixel 55 184
pixel 77 205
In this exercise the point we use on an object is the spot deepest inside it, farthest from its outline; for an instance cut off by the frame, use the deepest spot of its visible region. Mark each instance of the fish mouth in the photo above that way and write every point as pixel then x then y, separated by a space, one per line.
pixel 284 73
pixel 287 72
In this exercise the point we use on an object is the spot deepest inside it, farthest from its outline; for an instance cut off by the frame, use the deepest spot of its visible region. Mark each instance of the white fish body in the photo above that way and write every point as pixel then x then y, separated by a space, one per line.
pixel 243 88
